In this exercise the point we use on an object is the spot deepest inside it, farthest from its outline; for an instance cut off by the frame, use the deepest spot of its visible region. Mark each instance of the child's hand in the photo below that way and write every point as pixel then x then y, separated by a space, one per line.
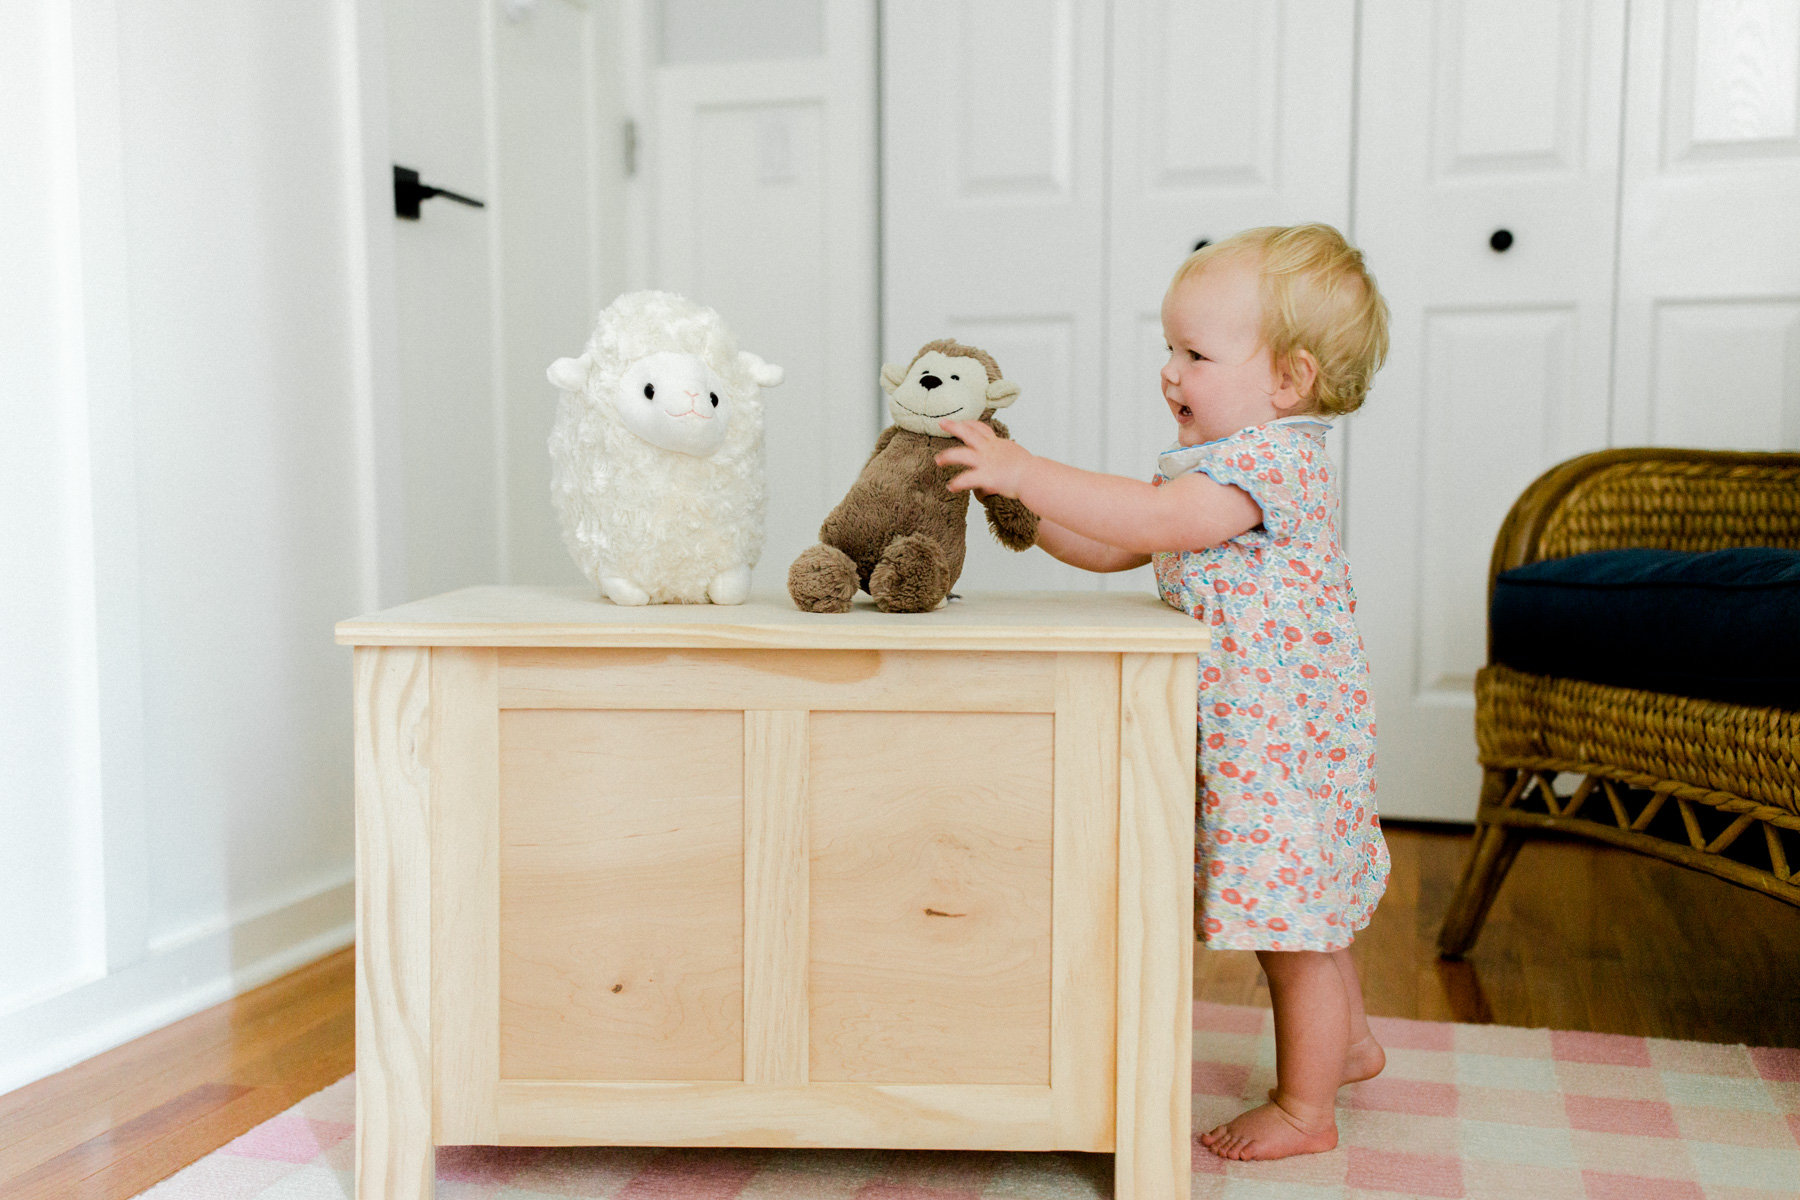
pixel 995 464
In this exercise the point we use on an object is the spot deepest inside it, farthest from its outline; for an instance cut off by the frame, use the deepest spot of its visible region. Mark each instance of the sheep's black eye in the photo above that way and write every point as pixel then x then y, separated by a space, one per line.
pixel 715 398
pixel 649 391
pixel 956 377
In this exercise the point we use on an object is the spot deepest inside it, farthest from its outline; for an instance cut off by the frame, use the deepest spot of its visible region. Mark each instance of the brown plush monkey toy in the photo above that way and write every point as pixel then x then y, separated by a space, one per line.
pixel 898 534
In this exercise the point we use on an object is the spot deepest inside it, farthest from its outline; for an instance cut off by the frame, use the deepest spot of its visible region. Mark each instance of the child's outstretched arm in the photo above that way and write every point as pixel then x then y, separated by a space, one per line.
pixel 1191 512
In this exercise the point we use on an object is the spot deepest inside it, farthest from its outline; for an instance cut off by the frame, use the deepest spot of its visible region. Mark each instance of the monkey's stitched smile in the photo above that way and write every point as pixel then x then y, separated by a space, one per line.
pixel 928 416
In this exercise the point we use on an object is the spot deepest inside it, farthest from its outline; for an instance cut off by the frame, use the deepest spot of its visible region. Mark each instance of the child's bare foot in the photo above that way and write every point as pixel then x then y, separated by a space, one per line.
pixel 1270 1132
pixel 1364 1060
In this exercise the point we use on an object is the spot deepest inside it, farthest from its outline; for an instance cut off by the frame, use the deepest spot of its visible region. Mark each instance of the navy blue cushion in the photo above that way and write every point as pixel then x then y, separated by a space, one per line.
pixel 1718 626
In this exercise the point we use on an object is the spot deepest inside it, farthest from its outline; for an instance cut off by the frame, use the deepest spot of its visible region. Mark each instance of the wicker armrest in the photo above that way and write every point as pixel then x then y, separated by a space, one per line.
pixel 1662 498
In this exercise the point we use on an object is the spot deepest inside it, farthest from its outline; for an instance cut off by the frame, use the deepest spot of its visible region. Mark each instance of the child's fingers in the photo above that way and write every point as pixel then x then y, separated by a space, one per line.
pixel 956 456
pixel 972 432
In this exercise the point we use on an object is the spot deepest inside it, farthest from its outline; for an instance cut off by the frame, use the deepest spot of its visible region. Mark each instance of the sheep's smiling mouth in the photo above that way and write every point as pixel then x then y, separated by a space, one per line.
pixel 928 416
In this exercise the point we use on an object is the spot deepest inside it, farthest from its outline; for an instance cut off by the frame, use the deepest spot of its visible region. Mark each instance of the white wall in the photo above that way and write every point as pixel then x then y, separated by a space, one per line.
pixel 186 388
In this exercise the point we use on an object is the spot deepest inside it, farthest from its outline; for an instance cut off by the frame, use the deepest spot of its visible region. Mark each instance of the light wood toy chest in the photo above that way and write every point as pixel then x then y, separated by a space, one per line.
pixel 745 876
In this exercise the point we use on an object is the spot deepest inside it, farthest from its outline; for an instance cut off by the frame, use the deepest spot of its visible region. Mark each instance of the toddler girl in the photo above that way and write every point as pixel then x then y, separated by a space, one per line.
pixel 1270 333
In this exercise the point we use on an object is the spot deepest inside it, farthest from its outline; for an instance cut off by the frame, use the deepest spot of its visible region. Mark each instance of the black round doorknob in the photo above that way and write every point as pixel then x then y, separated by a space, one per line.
pixel 1501 240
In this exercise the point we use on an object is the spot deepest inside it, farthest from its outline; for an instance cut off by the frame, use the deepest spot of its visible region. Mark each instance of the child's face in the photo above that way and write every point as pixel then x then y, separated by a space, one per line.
pixel 1219 377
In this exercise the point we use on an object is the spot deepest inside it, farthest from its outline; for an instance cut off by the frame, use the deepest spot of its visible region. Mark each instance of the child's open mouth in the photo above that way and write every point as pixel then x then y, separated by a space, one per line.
pixel 1186 412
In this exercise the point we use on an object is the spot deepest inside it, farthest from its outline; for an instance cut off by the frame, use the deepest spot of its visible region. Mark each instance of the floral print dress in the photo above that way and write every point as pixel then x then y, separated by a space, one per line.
pixel 1288 850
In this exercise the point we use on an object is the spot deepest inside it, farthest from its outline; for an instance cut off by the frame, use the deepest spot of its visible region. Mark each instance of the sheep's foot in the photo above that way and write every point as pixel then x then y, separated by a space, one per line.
pixel 730 587
pixel 912 576
pixel 622 591
pixel 822 580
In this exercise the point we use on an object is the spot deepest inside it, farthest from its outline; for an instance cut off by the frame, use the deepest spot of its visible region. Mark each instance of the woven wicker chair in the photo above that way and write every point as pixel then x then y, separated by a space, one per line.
pixel 1729 770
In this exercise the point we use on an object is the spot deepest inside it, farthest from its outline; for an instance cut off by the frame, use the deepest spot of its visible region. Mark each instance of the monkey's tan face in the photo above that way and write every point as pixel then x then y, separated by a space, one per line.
pixel 939 388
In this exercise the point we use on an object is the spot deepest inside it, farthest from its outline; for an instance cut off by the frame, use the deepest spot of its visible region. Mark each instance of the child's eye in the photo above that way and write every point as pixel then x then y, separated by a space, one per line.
pixel 1195 355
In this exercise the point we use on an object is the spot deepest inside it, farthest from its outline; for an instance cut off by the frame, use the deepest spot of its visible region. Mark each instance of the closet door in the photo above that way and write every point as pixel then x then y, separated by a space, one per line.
pixel 992 191
pixel 1226 114
pixel 1708 349
pixel 761 149
pixel 1474 118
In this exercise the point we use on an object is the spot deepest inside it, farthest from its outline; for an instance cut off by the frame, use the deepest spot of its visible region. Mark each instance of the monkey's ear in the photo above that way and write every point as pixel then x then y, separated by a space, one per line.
pixel 1002 392
pixel 570 374
pixel 892 377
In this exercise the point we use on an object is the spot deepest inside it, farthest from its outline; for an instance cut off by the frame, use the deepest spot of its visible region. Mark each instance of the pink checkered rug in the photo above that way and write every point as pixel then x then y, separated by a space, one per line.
pixel 1462 1110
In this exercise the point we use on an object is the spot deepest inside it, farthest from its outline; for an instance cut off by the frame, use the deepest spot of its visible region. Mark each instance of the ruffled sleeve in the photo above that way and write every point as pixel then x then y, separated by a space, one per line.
pixel 1264 461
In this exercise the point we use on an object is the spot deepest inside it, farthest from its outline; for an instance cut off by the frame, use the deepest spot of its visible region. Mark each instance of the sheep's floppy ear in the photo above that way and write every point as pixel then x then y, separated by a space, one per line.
pixel 892 377
pixel 764 373
pixel 570 374
pixel 1002 392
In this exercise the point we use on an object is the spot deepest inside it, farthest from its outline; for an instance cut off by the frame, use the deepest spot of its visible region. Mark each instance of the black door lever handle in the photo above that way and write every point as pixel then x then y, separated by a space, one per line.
pixel 409 193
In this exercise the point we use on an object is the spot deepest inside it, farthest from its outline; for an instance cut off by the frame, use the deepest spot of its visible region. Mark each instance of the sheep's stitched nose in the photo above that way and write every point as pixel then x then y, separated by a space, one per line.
pixel 690 395
pixel 930 381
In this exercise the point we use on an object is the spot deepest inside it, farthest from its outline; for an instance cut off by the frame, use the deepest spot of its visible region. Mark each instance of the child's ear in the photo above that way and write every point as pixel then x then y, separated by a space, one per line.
pixel 1001 392
pixel 1300 373
pixel 892 377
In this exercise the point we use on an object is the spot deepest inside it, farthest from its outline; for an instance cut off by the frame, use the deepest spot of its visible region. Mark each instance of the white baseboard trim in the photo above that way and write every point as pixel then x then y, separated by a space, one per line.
pixel 181 980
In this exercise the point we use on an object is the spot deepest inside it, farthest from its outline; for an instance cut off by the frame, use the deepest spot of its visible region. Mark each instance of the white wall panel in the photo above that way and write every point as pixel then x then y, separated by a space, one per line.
pixel 50 847
pixel 206 430
pixel 1727 375
pixel 242 381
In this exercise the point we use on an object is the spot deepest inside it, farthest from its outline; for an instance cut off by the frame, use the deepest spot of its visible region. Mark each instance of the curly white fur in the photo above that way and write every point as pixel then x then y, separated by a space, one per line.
pixel 647 522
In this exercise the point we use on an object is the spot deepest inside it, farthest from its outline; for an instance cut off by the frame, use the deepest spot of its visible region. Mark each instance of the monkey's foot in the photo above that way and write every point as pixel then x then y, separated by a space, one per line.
pixel 822 580
pixel 912 576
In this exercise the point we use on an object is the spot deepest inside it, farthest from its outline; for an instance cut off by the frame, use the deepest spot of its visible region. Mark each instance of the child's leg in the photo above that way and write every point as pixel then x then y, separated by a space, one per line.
pixel 1365 1058
pixel 1312 1035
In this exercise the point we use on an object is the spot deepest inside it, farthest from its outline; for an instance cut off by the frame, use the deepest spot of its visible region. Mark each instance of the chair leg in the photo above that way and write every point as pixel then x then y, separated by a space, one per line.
pixel 1490 858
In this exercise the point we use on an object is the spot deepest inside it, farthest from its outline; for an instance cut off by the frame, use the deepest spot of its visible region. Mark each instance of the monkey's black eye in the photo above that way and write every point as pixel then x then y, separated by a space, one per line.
pixel 715 398
pixel 649 391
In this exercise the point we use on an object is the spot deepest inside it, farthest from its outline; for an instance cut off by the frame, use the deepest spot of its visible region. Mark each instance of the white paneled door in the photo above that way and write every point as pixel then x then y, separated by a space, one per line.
pixel 515 103
pixel 1487 175
pixel 1226 114
pixel 993 187
pixel 1037 196
pixel 761 154
pixel 1708 350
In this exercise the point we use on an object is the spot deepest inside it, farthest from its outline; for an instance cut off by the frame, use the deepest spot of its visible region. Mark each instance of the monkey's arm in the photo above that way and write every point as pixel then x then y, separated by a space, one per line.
pixel 1012 524
pixel 887 435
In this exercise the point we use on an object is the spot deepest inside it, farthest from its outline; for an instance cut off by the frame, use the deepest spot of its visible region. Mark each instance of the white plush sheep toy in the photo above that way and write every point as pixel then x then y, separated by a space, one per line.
pixel 657 455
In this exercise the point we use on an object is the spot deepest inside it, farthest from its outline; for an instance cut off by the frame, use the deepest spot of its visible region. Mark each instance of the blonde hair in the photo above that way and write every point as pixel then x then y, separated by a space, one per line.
pixel 1318 297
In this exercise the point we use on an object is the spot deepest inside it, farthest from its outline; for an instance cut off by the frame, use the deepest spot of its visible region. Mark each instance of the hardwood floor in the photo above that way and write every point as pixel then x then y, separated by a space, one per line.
pixel 1581 937
pixel 110 1127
